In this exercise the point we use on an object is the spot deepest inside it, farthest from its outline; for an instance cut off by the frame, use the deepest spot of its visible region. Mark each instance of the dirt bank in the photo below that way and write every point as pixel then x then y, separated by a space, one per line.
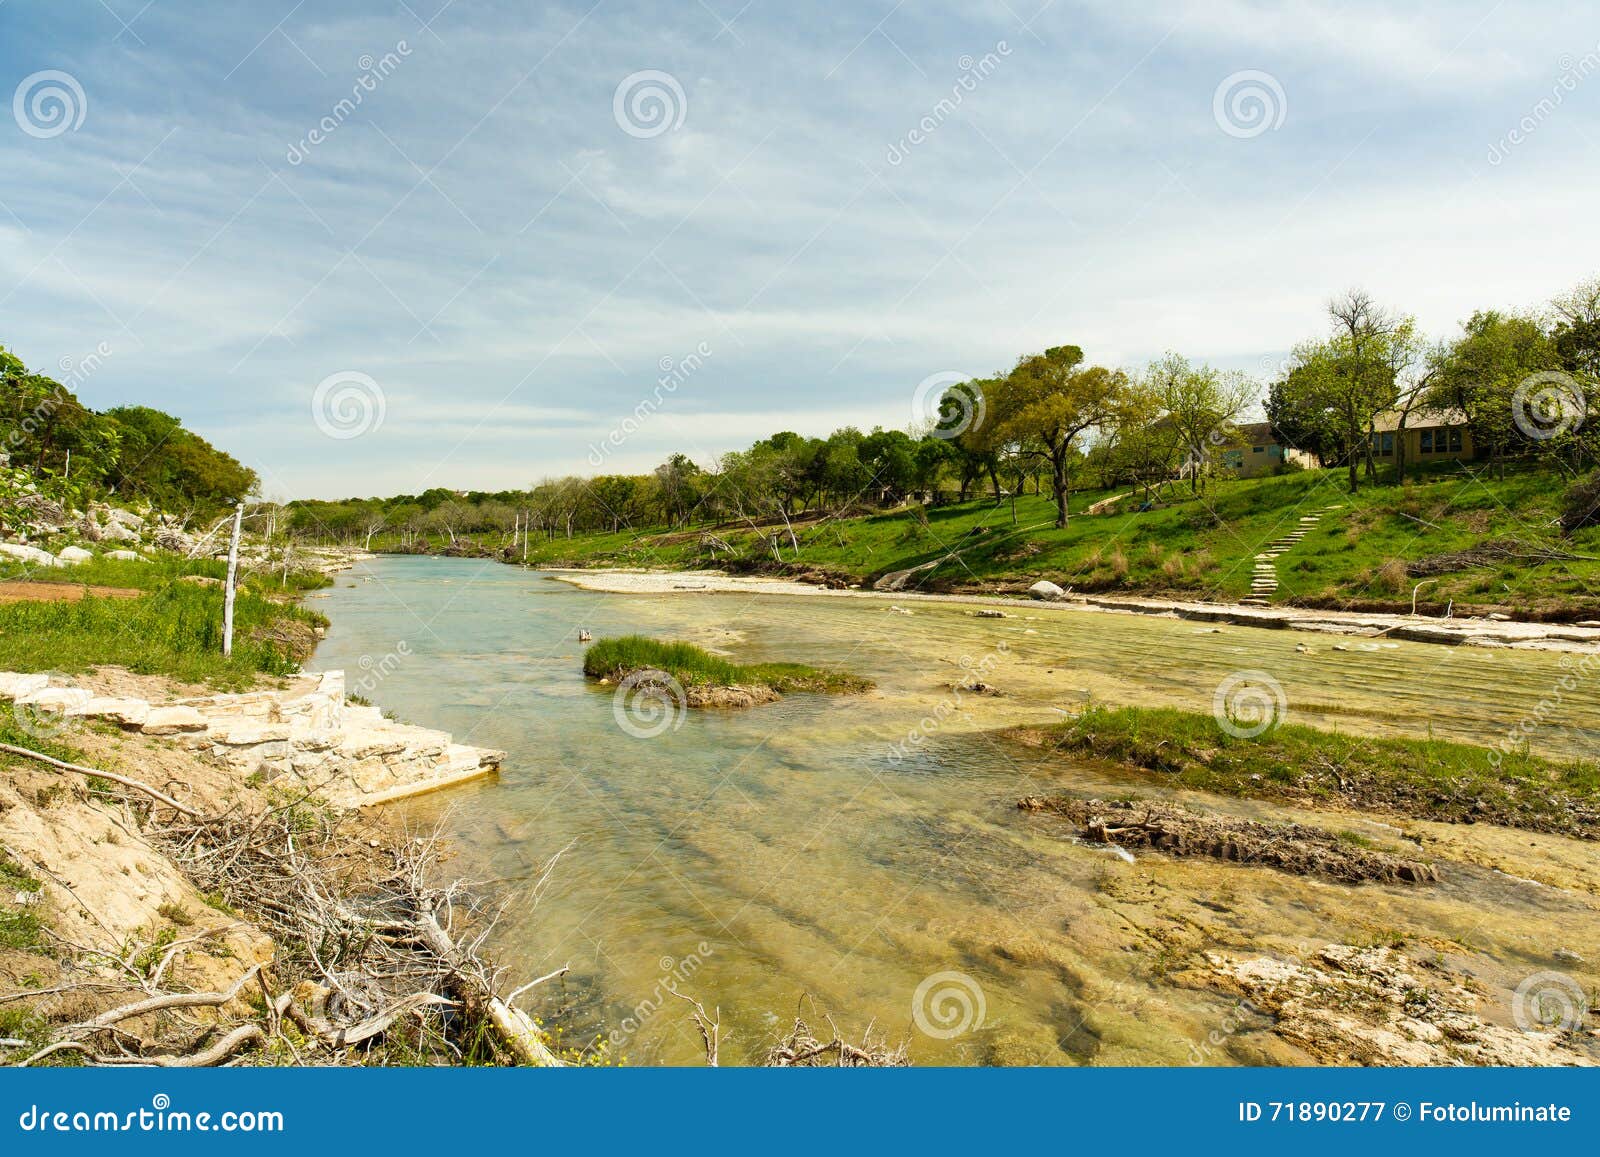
pixel 264 926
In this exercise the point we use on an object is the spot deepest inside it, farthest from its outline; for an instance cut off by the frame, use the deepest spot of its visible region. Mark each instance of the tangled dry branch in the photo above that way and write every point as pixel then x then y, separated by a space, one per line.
pixel 373 959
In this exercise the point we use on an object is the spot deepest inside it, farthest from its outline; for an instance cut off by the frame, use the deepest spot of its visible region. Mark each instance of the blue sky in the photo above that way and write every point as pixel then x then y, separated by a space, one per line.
pixel 486 241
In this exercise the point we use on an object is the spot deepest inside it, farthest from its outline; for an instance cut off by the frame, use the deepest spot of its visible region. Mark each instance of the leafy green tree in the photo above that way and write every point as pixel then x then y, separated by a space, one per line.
pixel 1050 399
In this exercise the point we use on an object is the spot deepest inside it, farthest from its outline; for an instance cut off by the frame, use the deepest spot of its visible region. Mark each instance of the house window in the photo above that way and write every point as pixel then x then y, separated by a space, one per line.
pixel 1234 458
pixel 1258 449
pixel 1387 446
pixel 1455 439
pixel 1427 441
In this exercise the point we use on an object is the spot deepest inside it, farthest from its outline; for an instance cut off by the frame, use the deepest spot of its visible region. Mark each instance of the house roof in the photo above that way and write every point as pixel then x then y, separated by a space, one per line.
pixel 1419 419
pixel 1256 432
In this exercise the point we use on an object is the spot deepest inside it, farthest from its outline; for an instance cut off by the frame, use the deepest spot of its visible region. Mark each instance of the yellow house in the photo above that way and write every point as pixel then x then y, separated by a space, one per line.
pixel 1431 436
pixel 1254 450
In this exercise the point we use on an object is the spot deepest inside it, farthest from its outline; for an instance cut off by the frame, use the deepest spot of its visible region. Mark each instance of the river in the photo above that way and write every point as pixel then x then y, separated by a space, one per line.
pixel 863 855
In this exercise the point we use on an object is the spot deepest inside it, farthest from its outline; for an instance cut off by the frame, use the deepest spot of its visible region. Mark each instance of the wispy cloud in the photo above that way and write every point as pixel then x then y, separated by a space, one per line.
pixel 479 234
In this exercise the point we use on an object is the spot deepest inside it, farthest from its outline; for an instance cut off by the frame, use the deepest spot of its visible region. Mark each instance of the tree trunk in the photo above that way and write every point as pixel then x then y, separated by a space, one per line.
pixel 233 581
pixel 1058 483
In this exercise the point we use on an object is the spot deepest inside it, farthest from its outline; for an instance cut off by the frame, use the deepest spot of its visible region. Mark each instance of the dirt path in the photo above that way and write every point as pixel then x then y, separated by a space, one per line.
pixel 27 592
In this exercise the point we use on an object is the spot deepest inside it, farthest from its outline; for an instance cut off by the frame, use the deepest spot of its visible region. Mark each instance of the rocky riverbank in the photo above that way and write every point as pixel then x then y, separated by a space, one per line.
pixel 1578 638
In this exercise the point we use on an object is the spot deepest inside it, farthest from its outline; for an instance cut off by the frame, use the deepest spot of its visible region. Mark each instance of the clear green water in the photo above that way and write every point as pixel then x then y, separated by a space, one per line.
pixel 754 858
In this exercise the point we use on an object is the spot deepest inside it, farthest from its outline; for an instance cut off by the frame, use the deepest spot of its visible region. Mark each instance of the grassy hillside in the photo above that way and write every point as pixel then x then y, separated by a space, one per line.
pixel 1202 547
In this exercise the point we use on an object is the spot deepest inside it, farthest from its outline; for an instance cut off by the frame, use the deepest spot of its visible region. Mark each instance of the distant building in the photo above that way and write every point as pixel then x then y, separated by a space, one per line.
pixel 1431 436
pixel 1252 449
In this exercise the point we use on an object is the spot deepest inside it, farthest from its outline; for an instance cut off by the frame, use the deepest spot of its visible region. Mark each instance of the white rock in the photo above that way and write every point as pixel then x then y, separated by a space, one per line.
pixel 173 721
pixel 55 698
pixel 13 684
pixel 74 555
pixel 116 532
pixel 124 712
pixel 1046 590
pixel 29 554
pixel 125 555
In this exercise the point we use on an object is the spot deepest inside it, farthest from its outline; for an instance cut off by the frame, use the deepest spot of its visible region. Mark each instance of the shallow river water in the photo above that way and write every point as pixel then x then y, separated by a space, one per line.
pixel 866 852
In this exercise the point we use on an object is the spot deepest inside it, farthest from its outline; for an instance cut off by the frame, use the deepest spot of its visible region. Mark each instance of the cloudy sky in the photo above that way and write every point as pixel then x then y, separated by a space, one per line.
pixel 492 224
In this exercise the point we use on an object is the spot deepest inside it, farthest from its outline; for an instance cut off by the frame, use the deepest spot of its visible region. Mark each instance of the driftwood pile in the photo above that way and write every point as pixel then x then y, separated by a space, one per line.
pixel 1295 848
pixel 1491 553
pixel 369 965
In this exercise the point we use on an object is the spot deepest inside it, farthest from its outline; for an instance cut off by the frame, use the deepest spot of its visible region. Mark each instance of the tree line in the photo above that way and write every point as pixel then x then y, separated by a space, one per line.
pixel 72 454
pixel 1523 382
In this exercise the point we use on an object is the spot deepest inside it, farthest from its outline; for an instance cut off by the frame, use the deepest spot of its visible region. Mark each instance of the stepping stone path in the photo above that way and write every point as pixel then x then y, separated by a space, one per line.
pixel 1264 578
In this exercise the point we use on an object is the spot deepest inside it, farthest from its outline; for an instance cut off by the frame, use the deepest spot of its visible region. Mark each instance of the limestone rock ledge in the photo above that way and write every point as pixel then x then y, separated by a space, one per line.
pixel 306 733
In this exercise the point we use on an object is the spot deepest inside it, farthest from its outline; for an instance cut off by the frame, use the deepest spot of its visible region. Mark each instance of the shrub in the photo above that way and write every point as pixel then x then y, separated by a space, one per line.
pixel 1581 506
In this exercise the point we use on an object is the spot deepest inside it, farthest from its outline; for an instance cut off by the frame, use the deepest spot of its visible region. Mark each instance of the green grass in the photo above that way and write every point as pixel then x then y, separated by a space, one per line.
pixel 19 928
pixel 1192 547
pixel 173 629
pixel 619 657
pixel 160 571
pixel 1421 778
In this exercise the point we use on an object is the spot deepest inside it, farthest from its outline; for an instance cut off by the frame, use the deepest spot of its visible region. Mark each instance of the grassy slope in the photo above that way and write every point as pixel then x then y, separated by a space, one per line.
pixel 174 628
pixel 621 656
pixel 1424 778
pixel 1193 547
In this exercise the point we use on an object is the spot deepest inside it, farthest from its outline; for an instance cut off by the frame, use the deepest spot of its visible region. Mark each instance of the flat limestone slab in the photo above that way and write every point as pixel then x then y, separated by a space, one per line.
pixel 173 721
pixel 13 684
pixel 123 712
